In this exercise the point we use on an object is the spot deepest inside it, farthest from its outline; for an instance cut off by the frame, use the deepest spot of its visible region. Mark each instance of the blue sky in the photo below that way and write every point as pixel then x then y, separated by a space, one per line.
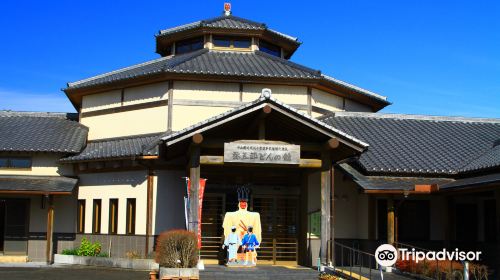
pixel 428 57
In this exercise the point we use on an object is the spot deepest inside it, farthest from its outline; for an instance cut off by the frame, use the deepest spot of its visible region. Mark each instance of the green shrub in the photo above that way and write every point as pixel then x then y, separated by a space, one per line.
pixel 88 249
pixel 177 249
pixel 103 255
pixel 72 252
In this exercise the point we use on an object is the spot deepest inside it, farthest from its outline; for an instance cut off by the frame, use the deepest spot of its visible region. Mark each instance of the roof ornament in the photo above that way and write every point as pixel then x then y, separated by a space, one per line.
pixel 227 9
pixel 266 93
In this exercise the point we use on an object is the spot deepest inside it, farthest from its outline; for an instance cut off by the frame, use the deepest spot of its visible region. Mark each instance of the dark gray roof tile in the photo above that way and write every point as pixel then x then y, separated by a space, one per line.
pixel 131 146
pixel 41 132
pixel 38 184
pixel 225 22
pixel 406 144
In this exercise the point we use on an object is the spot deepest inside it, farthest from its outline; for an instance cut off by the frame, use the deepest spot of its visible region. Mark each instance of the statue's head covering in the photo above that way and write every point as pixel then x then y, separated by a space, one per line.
pixel 243 193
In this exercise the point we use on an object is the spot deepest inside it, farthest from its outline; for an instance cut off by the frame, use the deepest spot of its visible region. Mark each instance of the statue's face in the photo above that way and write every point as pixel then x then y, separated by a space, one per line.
pixel 243 205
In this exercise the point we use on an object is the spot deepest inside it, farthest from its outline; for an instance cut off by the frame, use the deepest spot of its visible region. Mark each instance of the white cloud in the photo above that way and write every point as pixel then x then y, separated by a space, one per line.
pixel 17 100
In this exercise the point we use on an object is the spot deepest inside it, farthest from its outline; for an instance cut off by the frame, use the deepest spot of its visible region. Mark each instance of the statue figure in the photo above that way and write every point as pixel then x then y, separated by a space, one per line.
pixel 242 219
pixel 232 242
pixel 250 243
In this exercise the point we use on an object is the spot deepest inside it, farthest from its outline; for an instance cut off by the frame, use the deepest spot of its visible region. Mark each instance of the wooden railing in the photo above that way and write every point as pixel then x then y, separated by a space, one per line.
pixel 271 249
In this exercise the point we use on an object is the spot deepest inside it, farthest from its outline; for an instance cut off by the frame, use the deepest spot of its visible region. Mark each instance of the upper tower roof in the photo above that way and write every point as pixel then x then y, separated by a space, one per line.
pixel 225 25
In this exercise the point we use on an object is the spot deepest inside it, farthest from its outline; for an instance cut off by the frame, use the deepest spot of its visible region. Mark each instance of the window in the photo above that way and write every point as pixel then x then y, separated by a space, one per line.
pixel 269 48
pixel 96 218
pixel 15 162
pixel 131 216
pixel 81 216
pixel 113 216
pixel 231 42
pixel 189 45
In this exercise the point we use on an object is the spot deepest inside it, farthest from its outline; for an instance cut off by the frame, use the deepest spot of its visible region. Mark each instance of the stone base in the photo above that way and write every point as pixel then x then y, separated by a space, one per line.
pixel 170 273
pixel 240 263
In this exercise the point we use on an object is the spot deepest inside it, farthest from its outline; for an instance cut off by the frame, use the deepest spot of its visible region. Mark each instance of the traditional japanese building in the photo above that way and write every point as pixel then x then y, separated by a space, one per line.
pixel 225 102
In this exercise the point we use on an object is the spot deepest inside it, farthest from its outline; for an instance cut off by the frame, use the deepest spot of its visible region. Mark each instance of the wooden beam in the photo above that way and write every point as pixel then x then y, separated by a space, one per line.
pixel 390 220
pixel 259 122
pixel 309 101
pixel 219 160
pixel 325 206
pixel 332 143
pixel 332 214
pixel 197 138
pixel 170 105
pixel 50 229
pixel 149 210
pixel 194 176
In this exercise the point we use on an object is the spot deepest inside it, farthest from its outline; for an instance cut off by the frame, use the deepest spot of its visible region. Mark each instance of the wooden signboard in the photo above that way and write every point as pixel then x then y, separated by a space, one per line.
pixel 265 152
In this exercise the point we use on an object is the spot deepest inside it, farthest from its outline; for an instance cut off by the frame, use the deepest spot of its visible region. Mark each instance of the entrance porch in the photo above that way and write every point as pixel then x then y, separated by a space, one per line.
pixel 285 155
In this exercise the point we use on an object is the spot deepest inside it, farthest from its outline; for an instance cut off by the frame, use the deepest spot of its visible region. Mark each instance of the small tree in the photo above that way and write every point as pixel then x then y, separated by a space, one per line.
pixel 177 249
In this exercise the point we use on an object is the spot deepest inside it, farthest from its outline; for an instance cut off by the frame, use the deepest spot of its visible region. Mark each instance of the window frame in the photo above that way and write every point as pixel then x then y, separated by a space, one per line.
pixel 131 216
pixel 231 40
pixel 269 44
pixel 191 42
pixel 80 226
pixel 9 160
pixel 113 216
pixel 96 217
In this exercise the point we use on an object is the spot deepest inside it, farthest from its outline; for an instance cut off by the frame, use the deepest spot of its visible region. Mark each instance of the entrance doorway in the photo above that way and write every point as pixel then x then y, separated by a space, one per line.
pixel 274 194
pixel 279 216
pixel 14 226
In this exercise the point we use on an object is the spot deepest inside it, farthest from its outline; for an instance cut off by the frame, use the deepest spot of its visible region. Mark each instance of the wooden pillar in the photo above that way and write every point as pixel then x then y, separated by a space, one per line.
pixel 332 214
pixel 149 210
pixel 450 222
pixel 325 205
pixel 390 220
pixel 303 257
pixel 50 228
pixel 194 177
pixel 170 105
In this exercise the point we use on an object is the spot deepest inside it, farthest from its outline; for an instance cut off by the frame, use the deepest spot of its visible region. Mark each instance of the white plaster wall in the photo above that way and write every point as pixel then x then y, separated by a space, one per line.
pixel 143 121
pixel 145 94
pixel 285 94
pixel 206 91
pixel 100 101
pixel 184 116
pixel 168 206
pixel 120 185
pixel 326 100
pixel 42 165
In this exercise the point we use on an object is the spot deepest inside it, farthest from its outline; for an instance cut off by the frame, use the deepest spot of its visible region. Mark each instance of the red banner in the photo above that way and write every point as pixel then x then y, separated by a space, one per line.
pixel 200 204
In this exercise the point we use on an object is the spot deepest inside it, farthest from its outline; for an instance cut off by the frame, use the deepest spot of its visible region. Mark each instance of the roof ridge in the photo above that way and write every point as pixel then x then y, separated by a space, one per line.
pixel 414 117
pixel 187 57
pixel 76 83
pixel 214 19
pixel 275 101
pixel 354 87
pixel 12 113
pixel 179 27
pixel 289 63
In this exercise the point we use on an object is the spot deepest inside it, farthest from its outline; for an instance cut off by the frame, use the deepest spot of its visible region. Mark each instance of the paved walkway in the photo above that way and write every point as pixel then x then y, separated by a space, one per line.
pixel 364 273
pixel 70 273
pixel 262 272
